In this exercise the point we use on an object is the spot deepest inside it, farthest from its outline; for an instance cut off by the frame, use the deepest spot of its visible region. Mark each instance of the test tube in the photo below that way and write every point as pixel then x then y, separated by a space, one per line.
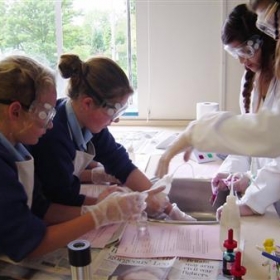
pixel 79 259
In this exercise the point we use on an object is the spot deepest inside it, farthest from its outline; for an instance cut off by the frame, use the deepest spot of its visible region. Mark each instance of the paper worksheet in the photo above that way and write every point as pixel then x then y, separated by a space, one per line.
pixel 162 240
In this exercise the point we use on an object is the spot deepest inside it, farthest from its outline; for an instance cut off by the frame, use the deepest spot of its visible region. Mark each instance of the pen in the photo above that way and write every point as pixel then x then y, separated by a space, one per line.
pixel 272 257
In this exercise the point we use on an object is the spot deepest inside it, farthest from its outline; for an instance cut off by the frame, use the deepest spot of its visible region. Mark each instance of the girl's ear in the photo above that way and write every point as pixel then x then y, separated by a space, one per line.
pixel 88 103
pixel 14 110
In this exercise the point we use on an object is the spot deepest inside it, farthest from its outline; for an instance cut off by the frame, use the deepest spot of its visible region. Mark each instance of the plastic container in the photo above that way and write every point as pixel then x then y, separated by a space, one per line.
pixel 230 219
pixel 229 255
pixel 237 270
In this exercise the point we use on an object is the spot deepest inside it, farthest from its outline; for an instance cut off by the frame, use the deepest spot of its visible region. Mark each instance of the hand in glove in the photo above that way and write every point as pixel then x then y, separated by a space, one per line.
pixel 181 144
pixel 98 175
pixel 178 215
pixel 109 190
pixel 156 204
pixel 240 182
pixel 116 208
pixel 219 182
pixel 244 210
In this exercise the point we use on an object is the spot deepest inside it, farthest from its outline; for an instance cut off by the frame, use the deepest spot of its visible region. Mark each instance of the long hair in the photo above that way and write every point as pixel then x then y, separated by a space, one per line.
pixel 240 26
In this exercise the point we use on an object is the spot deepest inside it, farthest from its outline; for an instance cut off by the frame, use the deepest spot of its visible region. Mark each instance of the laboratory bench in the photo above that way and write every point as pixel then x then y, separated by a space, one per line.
pixel 254 229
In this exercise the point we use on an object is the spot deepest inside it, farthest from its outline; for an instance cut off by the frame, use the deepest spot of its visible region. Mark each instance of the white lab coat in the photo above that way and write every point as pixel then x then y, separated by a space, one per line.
pixel 266 171
pixel 225 132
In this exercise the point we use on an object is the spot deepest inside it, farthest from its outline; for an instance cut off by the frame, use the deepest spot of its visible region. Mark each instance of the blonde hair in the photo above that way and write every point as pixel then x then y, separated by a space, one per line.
pixel 23 79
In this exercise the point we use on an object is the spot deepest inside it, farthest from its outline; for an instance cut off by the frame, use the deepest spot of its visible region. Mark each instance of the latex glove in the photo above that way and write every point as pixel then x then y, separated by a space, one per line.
pixel 156 204
pixel 98 175
pixel 244 209
pixel 240 181
pixel 181 144
pixel 117 208
pixel 178 215
pixel 157 201
pixel 219 213
pixel 219 182
pixel 109 190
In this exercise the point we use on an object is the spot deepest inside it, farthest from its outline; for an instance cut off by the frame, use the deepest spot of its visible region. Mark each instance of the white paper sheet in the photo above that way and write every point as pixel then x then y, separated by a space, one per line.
pixel 191 241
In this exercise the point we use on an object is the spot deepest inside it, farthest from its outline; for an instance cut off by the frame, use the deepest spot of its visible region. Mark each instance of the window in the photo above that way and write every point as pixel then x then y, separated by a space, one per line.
pixel 46 29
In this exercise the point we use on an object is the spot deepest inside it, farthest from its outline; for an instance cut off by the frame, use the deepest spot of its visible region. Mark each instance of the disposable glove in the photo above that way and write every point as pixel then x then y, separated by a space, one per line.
pixel 219 182
pixel 156 204
pixel 98 176
pixel 244 210
pixel 157 200
pixel 116 208
pixel 179 215
pixel 110 189
pixel 240 182
pixel 181 144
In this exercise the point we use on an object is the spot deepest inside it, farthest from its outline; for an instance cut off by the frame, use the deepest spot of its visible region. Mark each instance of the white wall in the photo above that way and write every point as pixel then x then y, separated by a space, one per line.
pixel 181 60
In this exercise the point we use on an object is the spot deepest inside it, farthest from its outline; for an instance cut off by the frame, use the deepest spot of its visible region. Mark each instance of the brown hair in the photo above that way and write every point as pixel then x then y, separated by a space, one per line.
pixel 97 76
pixel 240 26
pixel 23 79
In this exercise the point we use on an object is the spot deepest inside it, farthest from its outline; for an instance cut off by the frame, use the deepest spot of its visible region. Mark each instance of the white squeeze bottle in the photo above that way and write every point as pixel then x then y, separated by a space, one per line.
pixel 230 219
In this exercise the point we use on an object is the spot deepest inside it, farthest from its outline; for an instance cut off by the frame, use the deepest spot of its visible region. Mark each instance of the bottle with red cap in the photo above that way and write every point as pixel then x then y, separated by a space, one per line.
pixel 237 270
pixel 229 255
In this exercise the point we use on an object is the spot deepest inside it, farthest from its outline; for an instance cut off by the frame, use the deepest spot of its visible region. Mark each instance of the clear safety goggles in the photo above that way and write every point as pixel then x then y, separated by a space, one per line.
pixel 246 49
pixel 116 110
pixel 266 20
pixel 42 111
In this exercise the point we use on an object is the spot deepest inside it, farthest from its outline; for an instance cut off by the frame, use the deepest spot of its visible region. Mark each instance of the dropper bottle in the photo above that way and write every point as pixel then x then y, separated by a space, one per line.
pixel 237 270
pixel 230 218
pixel 229 255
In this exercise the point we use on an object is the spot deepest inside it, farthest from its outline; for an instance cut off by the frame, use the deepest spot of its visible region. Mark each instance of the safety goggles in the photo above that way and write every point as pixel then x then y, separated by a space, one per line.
pixel 266 20
pixel 42 111
pixel 246 49
pixel 114 111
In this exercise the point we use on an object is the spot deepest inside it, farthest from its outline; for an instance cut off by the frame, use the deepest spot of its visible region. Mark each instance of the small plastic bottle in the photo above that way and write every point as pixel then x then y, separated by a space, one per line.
pixel 237 270
pixel 230 219
pixel 229 255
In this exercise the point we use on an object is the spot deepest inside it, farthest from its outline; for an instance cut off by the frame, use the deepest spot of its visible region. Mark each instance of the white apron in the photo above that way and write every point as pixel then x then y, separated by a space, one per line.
pixel 83 159
pixel 26 177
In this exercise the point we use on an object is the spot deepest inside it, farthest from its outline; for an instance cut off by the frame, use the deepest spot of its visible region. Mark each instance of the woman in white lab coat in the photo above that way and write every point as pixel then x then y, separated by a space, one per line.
pixel 259 182
pixel 225 132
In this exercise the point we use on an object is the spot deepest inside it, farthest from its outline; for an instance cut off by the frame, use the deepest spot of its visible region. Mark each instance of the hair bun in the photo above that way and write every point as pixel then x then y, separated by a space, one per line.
pixel 70 65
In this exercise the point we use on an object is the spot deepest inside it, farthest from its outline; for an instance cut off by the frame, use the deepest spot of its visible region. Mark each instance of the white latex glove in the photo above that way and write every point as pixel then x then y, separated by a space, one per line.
pixel 116 208
pixel 178 215
pixel 98 175
pixel 241 181
pixel 181 144
pixel 218 183
pixel 244 209
pixel 156 204
pixel 110 189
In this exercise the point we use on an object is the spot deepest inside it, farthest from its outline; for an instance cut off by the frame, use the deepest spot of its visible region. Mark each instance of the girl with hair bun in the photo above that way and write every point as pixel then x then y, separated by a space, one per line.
pixel 98 92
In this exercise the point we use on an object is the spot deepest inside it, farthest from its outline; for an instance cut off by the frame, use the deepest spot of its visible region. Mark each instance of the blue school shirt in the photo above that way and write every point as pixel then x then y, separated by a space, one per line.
pixel 55 152
pixel 22 229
